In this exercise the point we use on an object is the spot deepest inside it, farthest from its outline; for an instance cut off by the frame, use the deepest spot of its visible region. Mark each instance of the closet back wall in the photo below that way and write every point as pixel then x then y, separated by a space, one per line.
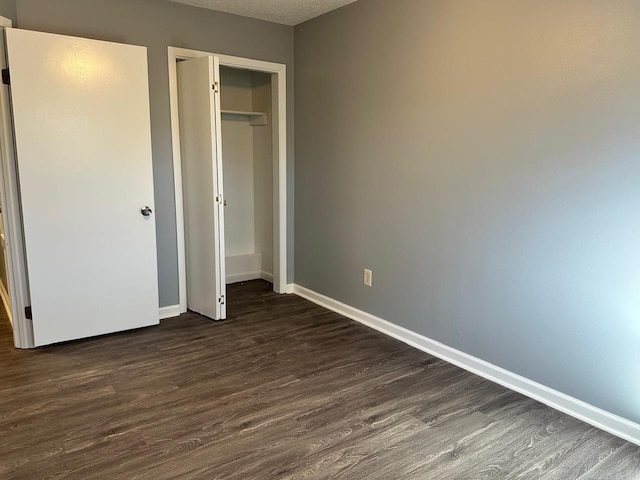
pixel 237 162
pixel 158 24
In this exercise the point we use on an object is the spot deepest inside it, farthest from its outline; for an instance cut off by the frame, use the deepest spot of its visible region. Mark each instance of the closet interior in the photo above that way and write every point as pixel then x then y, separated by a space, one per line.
pixel 247 168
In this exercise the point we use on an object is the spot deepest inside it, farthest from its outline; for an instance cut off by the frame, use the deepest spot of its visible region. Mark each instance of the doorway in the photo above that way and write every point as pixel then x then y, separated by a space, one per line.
pixel 256 238
pixel 247 172
pixel 16 280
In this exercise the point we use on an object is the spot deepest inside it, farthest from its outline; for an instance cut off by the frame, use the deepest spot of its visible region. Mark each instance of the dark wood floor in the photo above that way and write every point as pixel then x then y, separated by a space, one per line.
pixel 283 389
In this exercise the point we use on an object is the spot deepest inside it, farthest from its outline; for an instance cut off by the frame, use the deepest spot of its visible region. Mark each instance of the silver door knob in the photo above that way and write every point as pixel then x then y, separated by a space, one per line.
pixel 146 211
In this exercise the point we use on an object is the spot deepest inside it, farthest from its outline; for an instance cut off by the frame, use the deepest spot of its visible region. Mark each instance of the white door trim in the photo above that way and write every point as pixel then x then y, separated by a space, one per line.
pixel 10 199
pixel 279 99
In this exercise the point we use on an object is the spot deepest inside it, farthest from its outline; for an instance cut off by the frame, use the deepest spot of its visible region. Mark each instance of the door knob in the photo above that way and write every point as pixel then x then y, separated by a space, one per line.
pixel 146 211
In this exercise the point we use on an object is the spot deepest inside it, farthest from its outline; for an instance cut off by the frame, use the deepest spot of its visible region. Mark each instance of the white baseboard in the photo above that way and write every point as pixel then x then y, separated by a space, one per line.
pixel 290 289
pixel 169 312
pixel 597 417
pixel 247 276
pixel 242 268
pixel 242 277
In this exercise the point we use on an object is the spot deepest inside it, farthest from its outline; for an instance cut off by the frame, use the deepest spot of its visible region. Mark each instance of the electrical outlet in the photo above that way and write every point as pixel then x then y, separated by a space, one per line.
pixel 367 277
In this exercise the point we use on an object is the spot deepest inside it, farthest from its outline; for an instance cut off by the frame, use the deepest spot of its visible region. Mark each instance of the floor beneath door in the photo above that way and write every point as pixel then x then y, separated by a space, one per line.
pixel 283 389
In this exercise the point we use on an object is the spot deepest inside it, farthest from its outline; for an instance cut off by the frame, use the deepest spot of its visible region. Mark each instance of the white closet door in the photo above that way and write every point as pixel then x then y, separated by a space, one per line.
pixel 83 145
pixel 200 147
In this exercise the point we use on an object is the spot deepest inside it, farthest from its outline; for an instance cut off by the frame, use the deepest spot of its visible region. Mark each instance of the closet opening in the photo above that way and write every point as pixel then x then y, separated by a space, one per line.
pixel 247 171
pixel 228 120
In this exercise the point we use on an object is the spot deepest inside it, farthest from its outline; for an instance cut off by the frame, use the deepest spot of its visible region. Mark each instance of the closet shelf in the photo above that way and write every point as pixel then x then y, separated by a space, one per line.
pixel 255 118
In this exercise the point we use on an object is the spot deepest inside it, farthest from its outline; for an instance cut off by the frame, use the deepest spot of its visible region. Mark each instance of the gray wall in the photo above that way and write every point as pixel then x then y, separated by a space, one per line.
pixel 157 24
pixel 482 159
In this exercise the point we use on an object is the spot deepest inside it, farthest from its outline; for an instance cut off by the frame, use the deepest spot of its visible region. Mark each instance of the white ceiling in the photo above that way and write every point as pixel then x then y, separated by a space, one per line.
pixel 288 12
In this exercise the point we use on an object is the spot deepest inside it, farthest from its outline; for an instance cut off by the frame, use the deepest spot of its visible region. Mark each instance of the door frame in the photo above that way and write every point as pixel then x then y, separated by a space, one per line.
pixel 12 217
pixel 278 72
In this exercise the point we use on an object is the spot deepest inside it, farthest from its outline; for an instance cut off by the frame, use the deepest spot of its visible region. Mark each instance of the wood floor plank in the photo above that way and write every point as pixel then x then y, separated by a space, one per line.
pixel 624 463
pixel 283 389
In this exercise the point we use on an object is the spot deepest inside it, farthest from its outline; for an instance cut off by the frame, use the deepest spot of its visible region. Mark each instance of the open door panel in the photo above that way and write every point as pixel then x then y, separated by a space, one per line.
pixel 201 152
pixel 83 151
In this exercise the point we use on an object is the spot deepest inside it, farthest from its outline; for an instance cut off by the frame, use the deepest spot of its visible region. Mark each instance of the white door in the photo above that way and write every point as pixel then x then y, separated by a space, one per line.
pixel 83 147
pixel 200 148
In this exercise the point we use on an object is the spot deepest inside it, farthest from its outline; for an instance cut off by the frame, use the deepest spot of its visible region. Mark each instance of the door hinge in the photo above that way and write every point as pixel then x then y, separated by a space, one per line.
pixel 6 77
pixel 221 300
pixel 219 198
pixel 216 87
pixel 28 314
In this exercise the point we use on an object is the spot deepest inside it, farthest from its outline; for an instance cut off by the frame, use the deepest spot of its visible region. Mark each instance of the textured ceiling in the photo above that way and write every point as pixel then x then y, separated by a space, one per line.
pixel 288 12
